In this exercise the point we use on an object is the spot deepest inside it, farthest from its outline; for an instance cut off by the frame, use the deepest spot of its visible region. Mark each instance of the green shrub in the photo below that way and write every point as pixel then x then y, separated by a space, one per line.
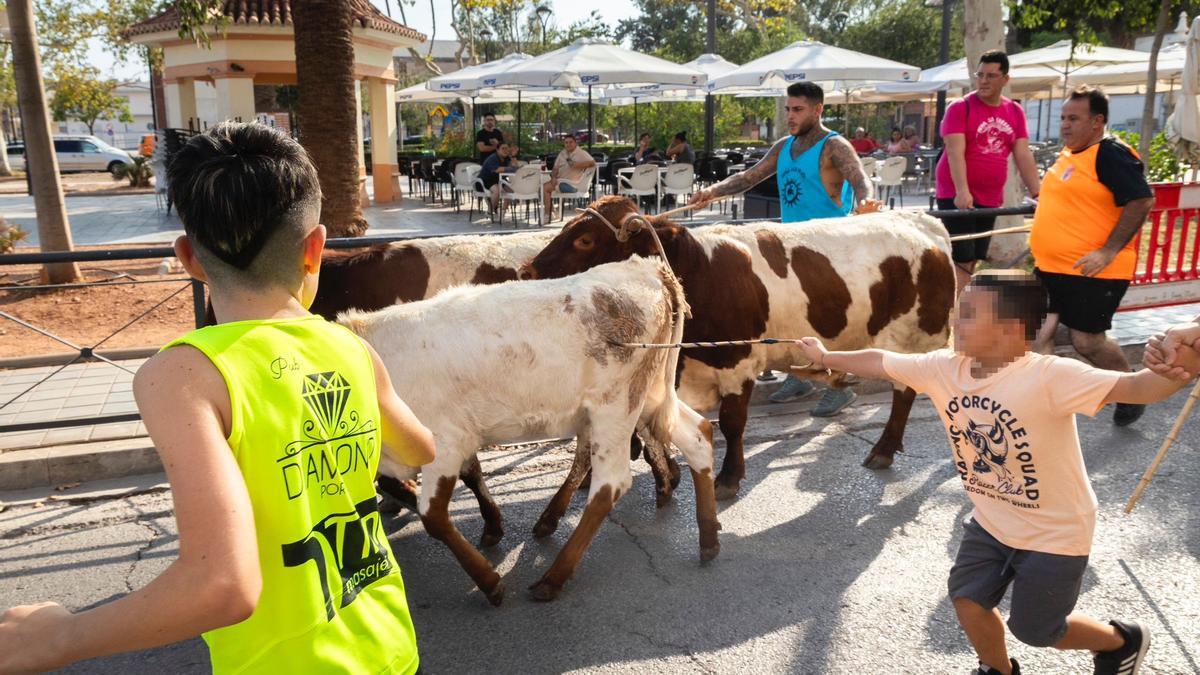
pixel 1163 165
pixel 9 236
pixel 138 174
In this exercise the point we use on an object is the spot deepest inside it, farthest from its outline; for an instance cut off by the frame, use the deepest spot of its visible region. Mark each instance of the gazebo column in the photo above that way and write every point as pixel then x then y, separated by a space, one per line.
pixel 181 102
pixel 235 98
pixel 363 198
pixel 383 139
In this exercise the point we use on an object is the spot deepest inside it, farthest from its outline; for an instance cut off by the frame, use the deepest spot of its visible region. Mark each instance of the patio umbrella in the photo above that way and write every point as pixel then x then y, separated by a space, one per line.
pixel 1183 126
pixel 1060 58
pixel 589 62
pixel 1170 66
pixel 813 61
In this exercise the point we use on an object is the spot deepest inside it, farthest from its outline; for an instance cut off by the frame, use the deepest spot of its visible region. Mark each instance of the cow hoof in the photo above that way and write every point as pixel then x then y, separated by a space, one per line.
pixel 877 461
pixel 708 553
pixel 725 491
pixel 490 539
pixel 663 497
pixel 544 528
pixel 544 591
pixel 496 595
pixel 673 466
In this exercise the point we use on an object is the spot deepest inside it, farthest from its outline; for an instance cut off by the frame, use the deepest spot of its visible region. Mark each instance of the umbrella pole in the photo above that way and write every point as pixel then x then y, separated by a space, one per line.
pixel 474 121
pixel 518 139
pixel 635 121
pixel 591 130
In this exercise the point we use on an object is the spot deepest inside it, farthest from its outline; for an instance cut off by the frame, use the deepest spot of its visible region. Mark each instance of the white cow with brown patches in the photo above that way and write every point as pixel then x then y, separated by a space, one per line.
pixel 529 360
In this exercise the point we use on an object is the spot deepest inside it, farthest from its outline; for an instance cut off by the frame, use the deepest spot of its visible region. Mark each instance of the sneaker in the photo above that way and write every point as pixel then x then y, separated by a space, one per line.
pixel 793 389
pixel 1127 413
pixel 766 376
pixel 833 401
pixel 1128 659
pixel 987 670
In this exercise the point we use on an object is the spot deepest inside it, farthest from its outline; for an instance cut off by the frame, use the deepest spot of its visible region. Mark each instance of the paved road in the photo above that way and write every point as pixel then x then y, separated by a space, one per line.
pixel 825 567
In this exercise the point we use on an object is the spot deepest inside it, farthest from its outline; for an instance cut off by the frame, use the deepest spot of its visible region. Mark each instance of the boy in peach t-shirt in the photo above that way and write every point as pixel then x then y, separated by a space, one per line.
pixel 1010 417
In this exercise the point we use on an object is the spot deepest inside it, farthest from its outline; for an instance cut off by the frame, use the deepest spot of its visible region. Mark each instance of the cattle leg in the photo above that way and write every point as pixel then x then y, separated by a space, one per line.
pixel 657 455
pixel 493 522
pixel 610 480
pixel 693 436
pixel 892 440
pixel 734 410
pixel 548 522
pixel 435 516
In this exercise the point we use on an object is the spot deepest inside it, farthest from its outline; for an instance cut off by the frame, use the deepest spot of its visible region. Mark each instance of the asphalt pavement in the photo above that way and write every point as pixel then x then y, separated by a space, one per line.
pixel 825 567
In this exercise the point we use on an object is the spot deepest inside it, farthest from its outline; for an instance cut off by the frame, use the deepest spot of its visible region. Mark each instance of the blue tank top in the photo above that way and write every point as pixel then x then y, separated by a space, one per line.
pixel 802 196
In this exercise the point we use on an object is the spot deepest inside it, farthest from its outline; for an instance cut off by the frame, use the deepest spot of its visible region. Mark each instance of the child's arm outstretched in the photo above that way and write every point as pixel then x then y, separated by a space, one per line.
pixel 215 581
pixel 1149 386
pixel 864 362
pixel 404 437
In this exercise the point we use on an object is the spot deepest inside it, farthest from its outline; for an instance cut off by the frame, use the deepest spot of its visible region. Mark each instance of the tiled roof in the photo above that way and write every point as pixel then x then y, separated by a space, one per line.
pixel 274 13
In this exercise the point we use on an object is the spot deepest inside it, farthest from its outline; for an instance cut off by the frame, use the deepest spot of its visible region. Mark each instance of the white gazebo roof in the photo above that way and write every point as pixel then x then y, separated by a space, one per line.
pixel 589 62
pixel 814 62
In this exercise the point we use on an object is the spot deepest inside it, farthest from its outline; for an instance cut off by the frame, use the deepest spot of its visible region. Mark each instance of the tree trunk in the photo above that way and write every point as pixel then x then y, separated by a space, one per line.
pixel 325 80
pixel 5 169
pixel 1147 135
pixel 54 232
pixel 983 26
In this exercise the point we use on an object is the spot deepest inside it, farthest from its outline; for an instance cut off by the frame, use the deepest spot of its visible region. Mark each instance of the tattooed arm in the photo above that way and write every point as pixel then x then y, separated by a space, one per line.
pixel 841 156
pixel 740 182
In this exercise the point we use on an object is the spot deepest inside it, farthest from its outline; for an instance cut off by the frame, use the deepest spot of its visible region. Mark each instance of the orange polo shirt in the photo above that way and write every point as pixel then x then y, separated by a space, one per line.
pixel 1081 200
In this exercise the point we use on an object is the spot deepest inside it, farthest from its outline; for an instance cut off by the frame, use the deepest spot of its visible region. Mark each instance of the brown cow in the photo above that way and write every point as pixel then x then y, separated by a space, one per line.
pixel 878 280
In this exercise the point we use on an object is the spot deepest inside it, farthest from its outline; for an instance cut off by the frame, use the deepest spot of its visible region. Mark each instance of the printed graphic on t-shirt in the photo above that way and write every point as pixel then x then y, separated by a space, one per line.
pixel 792 188
pixel 992 451
pixel 333 443
pixel 993 136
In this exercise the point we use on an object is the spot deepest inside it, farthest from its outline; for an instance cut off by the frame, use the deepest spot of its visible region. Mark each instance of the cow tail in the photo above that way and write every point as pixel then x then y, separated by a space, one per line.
pixel 677 304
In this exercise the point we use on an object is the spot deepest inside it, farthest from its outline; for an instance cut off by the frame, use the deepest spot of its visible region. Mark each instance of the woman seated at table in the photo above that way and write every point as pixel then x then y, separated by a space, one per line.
pixel 896 145
pixel 644 152
pixel 912 141
pixel 680 150
pixel 503 160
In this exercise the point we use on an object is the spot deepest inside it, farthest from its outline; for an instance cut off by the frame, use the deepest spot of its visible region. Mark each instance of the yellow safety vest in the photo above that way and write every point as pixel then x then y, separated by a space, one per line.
pixel 306 435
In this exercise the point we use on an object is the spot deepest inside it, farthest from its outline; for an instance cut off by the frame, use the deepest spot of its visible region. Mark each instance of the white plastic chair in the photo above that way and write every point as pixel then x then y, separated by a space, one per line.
pixel 679 180
pixel 479 194
pixel 642 182
pixel 890 175
pixel 869 165
pixel 464 178
pixel 525 185
pixel 583 190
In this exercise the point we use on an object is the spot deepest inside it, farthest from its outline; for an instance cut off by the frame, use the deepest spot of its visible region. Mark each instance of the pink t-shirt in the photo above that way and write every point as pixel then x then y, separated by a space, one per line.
pixel 990 133
pixel 1014 442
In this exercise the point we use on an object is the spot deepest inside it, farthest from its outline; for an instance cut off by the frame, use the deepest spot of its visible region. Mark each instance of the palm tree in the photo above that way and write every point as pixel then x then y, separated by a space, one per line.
pixel 54 232
pixel 328 128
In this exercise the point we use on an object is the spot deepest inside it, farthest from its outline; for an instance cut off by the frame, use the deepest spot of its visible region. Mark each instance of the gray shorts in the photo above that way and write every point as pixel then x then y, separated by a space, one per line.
pixel 1045 586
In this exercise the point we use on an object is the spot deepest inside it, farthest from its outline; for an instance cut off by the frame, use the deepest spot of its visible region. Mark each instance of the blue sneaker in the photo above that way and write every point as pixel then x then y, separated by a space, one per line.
pixel 833 401
pixel 793 389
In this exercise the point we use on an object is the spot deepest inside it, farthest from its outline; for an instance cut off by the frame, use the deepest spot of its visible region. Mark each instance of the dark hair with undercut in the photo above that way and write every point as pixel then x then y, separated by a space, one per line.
pixel 1096 98
pixel 996 56
pixel 491 115
pixel 247 195
pixel 1019 296
pixel 644 135
pixel 681 136
pixel 809 90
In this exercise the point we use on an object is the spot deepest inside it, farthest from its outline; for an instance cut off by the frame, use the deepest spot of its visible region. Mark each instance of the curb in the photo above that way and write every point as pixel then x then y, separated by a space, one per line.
pixel 82 462
pixel 39 360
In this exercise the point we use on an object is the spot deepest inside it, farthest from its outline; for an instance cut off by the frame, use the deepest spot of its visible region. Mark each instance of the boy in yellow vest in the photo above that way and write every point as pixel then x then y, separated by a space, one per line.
pixel 270 426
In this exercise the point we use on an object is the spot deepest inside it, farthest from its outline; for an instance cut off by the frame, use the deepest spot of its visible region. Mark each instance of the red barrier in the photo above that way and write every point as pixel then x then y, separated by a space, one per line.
pixel 1168 267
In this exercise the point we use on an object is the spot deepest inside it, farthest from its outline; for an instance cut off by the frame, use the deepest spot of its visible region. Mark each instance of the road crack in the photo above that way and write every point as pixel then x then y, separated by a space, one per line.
pixel 684 649
pixel 139 555
pixel 60 528
pixel 642 547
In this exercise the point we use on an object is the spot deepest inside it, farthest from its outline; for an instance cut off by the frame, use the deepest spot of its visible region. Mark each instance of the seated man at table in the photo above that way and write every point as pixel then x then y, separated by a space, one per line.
pixel 568 168
pixel 680 151
pixel 644 152
pixel 862 143
pixel 502 161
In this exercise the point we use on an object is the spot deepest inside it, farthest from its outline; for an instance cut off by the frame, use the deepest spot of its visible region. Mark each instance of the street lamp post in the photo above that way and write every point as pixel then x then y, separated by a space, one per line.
pixel 944 56
pixel 710 104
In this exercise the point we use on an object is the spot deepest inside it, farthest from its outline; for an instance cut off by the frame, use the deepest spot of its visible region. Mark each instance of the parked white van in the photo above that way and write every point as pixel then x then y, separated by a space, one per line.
pixel 76 153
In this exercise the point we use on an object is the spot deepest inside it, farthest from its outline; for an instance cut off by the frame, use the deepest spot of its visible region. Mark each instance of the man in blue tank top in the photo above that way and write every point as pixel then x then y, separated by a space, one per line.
pixel 819 176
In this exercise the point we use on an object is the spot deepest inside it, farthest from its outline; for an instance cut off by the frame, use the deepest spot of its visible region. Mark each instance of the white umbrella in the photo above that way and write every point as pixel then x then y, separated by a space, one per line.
pixel 589 62
pixel 813 61
pixel 419 93
pixel 1170 66
pixel 1183 126
pixel 1060 58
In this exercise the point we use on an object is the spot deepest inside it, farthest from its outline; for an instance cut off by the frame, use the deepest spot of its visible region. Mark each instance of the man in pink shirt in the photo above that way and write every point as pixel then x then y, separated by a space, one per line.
pixel 1009 414
pixel 980 131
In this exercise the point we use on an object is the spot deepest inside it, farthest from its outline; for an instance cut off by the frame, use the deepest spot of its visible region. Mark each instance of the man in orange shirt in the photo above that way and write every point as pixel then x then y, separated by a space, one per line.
pixel 1093 201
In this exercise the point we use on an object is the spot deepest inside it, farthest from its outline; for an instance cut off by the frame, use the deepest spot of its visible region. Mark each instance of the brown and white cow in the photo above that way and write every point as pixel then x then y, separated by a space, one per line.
pixel 472 368
pixel 877 280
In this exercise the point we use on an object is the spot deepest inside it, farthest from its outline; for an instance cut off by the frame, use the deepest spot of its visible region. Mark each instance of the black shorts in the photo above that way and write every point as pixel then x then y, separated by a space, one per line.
pixel 1085 304
pixel 971 249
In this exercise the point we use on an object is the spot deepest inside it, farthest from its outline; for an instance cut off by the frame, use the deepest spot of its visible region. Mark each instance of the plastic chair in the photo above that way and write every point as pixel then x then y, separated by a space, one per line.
pixel 479 194
pixel 679 180
pixel 464 178
pixel 890 175
pixel 523 186
pixel 869 165
pixel 583 192
pixel 643 182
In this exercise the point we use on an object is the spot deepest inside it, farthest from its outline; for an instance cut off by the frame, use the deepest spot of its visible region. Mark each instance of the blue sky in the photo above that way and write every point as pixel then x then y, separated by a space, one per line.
pixel 419 16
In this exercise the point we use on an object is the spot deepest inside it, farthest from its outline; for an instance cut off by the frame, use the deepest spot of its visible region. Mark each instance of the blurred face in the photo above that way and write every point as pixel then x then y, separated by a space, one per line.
pixel 504 150
pixel 802 115
pixel 989 81
pixel 644 141
pixel 569 144
pixel 896 135
pixel 859 134
pixel 489 122
pixel 1079 128
pixel 978 332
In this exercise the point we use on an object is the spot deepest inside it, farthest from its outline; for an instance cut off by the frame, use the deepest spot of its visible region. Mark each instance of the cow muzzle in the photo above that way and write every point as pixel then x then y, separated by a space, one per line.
pixel 526 272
